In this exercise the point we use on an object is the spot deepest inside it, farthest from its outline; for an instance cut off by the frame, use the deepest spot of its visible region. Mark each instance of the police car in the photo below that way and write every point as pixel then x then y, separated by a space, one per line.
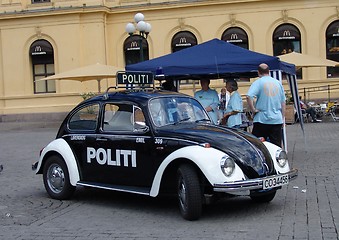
pixel 151 141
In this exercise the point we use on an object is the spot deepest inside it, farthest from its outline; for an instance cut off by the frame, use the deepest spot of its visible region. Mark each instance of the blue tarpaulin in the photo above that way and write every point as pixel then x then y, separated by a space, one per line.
pixel 212 59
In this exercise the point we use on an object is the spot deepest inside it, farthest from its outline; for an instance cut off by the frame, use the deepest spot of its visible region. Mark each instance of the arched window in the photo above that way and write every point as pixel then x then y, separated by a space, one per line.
pixel 286 39
pixel 42 58
pixel 133 52
pixel 182 40
pixel 332 47
pixel 236 36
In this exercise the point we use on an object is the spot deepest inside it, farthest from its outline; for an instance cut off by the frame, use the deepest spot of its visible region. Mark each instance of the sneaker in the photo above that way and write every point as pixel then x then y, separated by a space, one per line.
pixel 317 120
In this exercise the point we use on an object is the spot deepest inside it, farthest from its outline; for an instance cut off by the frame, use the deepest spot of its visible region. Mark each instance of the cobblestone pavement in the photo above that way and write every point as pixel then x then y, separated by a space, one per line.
pixel 307 209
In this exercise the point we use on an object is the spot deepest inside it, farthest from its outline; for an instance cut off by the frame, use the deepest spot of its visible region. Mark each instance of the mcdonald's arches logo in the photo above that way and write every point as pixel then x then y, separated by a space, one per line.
pixel 38 50
pixel 286 35
pixel 234 38
pixel 183 43
pixel 134 46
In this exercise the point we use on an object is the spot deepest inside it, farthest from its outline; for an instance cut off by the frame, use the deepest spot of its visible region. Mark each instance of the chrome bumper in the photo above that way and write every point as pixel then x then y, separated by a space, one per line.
pixel 35 166
pixel 250 184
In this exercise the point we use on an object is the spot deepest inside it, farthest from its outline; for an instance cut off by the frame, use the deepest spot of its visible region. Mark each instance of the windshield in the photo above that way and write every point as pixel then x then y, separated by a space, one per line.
pixel 168 110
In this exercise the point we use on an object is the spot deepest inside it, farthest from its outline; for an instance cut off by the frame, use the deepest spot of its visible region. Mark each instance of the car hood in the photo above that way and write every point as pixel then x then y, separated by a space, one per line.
pixel 248 151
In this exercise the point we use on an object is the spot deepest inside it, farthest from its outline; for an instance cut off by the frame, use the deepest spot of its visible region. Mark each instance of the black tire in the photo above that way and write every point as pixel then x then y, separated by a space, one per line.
pixel 189 193
pixel 56 178
pixel 263 197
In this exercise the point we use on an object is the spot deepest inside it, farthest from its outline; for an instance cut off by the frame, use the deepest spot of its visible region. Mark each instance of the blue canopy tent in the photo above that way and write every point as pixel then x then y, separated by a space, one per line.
pixel 212 59
pixel 217 59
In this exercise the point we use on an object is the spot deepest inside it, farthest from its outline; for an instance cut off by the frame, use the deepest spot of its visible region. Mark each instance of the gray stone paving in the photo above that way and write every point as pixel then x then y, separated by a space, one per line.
pixel 307 209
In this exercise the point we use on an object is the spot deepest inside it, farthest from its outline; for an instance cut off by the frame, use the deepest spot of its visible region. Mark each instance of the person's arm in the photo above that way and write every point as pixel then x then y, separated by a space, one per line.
pixel 214 105
pixel 251 104
pixel 227 115
pixel 235 104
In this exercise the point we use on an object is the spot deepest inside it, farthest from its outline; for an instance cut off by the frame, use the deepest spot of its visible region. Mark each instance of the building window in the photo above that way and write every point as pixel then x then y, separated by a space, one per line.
pixel 42 58
pixel 332 48
pixel 236 36
pixel 287 39
pixel 40 1
pixel 133 52
pixel 183 40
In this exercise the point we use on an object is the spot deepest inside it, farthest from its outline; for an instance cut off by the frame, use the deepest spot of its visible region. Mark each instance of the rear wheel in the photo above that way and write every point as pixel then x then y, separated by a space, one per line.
pixel 189 192
pixel 56 178
pixel 263 197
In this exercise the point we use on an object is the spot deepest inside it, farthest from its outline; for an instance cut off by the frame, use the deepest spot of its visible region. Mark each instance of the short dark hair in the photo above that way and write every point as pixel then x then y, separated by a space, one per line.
pixel 168 85
pixel 205 79
pixel 233 84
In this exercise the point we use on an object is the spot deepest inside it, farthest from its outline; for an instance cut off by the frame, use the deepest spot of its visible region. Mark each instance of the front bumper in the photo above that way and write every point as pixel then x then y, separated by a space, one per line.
pixel 250 184
pixel 35 166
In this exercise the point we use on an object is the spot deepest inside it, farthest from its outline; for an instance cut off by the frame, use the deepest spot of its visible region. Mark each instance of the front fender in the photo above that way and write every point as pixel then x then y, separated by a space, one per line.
pixel 61 147
pixel 272 148
pixel 206 159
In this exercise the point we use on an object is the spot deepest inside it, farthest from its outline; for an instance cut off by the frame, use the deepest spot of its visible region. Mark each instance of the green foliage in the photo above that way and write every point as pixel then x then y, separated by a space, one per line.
pixel 289 98
pixel 87 95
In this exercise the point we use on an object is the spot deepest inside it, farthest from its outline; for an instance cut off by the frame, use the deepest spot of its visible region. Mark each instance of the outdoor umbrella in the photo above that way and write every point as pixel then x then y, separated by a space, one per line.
pixel 303 60
pixel 91 72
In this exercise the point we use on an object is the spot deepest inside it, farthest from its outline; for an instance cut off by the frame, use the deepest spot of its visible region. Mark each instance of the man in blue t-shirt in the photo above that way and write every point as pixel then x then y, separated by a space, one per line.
pixel 269 109
pixel 209 99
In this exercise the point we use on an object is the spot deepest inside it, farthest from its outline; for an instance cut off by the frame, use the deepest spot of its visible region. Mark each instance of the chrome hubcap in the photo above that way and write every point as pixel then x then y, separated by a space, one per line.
pixel 55 178
pixel 182 195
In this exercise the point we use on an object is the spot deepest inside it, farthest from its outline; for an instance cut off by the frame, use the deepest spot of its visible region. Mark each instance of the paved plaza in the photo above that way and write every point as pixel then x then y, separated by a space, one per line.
pixel 307 209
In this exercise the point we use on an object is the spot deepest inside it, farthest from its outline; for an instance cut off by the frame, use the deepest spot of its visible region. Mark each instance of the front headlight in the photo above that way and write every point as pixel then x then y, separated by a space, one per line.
pixel 227 165
pixel 281 157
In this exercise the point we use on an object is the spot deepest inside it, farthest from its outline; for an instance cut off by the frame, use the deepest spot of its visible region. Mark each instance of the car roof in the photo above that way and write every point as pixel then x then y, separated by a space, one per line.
pixel 141 95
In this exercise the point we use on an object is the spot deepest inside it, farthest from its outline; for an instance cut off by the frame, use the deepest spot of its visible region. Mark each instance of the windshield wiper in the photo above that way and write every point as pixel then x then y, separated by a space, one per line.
pixel 182 120
pixel 203 120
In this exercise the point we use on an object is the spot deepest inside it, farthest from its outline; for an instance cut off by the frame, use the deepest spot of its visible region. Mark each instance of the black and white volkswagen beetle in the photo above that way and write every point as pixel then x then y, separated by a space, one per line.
pixel 151 141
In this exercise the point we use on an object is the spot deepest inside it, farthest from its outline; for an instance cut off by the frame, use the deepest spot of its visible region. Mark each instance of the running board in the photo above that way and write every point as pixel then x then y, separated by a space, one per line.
pixel 128 189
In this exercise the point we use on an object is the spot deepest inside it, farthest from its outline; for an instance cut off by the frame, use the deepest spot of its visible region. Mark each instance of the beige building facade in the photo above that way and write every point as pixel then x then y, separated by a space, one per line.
pixel 39 38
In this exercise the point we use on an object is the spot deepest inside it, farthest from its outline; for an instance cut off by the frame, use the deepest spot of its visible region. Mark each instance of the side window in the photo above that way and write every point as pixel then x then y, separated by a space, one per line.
pixel 138 118
pixel 158 113
pixel 118 117
pixel 85 119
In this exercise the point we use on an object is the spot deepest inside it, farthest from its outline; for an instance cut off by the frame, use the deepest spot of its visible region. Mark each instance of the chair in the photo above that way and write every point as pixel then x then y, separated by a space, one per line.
pixel 323 106
pixel 306 116
pixel 332 112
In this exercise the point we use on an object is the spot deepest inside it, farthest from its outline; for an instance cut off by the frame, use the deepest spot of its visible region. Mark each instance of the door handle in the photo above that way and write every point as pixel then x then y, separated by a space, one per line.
pixel 102 139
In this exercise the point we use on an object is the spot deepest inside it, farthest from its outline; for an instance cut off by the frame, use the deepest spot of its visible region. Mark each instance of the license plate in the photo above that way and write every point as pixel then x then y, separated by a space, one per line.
pixel 277 181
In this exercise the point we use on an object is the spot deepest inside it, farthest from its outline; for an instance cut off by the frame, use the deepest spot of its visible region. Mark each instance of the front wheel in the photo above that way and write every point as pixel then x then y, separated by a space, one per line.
pixel 263 197
pixel 56 178
pixel 189 192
